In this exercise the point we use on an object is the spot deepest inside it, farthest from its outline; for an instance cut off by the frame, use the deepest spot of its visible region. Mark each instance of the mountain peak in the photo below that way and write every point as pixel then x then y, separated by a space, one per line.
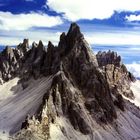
pixel 74 34
pixel 50 44
pixel 74 31
pixel 40 44
pixel 26 41
pixel 24 47
pixel 74 27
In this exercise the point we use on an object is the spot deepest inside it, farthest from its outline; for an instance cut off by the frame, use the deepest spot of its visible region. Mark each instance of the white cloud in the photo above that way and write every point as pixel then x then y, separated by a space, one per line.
pixel 134 68
pixel 15 37
pixel 9 21
pixel 113 38
pixel 133 18
pixel 90 9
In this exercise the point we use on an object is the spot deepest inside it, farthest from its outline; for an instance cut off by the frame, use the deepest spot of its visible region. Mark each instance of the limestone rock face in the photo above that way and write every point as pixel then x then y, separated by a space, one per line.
pixel 86 89
pixel 8 63
pixel 117 75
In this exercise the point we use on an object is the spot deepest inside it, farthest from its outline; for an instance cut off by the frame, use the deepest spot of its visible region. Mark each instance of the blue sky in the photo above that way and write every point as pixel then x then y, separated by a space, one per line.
pixel 106 24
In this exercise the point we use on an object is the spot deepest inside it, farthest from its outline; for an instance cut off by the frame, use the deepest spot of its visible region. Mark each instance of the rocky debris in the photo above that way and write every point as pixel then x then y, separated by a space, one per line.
pixel 86 88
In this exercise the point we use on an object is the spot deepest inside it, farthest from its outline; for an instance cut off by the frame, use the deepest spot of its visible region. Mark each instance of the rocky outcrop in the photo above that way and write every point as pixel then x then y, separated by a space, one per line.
pixel 8 64
pixel 86 88
pixel 117 75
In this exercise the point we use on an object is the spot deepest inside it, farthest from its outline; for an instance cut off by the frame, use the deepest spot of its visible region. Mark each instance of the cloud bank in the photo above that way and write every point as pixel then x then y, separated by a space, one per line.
pixel 13 38
pixel 74 10
pixel 113 38
pixel 134 68
pixel 9 21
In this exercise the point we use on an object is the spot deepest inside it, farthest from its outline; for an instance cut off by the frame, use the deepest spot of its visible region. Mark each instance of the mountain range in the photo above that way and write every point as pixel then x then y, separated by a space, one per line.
pixel 67 92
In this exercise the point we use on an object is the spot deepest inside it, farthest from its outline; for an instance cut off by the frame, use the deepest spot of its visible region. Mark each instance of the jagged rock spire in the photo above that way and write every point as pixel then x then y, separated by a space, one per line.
pixel 26 42
pixel 74 34
pixel 74 31
pixel 40 43
pixel 24 47
pixel 109 57
pixel 8 52
pixel 50 45
pixel 34 45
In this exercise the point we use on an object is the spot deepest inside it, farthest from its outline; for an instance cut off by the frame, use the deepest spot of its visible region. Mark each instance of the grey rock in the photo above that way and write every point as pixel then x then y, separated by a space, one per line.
pixel 86 88
pixel 116 72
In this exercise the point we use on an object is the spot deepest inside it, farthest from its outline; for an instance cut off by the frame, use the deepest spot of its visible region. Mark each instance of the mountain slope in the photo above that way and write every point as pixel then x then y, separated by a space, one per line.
pixel 67 92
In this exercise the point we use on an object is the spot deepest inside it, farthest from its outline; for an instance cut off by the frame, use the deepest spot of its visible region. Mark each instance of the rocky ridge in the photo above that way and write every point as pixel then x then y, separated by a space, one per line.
pixel 86 89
